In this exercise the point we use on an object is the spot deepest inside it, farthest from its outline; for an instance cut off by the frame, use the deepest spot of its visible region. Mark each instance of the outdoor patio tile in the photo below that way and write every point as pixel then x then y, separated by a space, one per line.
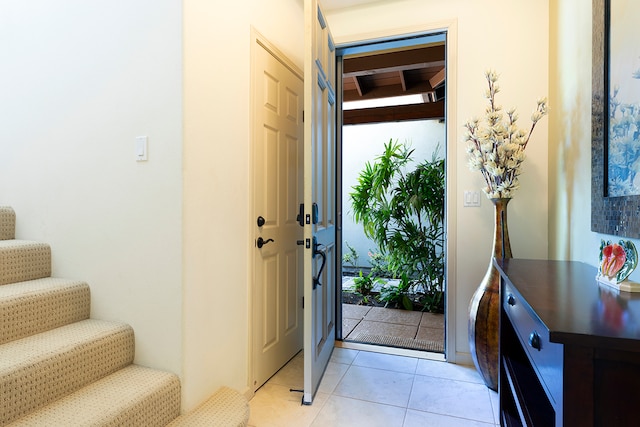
pixel 430 334
pixel 390 329
pixel 432 320
pixel 392 315
pixel 348 325
pixel 352 311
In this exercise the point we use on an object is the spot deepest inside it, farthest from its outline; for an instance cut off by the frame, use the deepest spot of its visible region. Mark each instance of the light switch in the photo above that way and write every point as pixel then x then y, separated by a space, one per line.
pixel 142 144
pixel 471 198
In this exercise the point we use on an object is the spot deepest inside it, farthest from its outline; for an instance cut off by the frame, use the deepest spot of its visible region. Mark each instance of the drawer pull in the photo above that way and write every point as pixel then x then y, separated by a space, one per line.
pixel 534 341
pixel 511 300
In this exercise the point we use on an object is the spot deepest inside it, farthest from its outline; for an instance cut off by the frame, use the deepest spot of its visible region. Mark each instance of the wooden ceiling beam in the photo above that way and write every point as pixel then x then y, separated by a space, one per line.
pixel 385 92
pixel 403 82
pixel 356 81
pixel 438 79
pixel 430 111
pixel 414 58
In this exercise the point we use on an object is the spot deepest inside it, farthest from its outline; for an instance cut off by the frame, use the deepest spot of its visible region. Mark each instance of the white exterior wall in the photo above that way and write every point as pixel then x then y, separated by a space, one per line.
pixel 362 144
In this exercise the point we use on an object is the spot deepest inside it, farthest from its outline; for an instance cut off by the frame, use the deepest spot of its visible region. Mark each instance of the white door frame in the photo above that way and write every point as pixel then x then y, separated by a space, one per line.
pixel 451 29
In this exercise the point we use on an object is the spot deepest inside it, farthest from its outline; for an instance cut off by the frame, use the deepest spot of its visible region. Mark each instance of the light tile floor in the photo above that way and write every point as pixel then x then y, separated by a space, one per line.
pixel 362 388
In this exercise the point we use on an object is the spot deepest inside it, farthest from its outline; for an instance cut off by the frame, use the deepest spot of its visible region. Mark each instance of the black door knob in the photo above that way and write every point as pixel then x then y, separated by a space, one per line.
pixel 261 221
pixel 261 242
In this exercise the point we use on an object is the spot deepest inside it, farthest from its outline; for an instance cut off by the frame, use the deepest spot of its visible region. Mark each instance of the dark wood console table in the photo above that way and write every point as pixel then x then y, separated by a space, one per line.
pixel 569 347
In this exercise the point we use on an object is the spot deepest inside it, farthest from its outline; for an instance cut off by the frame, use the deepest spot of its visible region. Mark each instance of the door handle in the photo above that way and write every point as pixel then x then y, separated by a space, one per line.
pixel 323 255
pixel 261 242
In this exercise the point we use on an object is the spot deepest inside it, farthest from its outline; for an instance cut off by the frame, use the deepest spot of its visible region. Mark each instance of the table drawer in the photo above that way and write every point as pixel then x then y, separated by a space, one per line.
pixel 545 356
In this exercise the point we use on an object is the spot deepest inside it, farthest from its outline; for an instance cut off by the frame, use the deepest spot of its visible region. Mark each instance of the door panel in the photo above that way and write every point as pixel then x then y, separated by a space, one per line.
pixel 277 156
pixel 319 189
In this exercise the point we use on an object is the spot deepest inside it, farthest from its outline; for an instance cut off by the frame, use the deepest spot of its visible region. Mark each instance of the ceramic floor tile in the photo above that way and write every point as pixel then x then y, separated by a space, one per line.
pixel 276 406
pixel 389 329
pixel 422 419
pixel 376 385
pixel 449 397
pixel 451 371
pixel 342 411
pixel 344 355
pixel 291 375
pixel 397 316
pixel 495 405
pixel 387 362
pixel 332 376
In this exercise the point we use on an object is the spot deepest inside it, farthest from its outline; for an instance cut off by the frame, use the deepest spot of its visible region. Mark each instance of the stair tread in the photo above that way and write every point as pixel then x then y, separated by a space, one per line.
pixel 65 338
pixel 22 260
pixel 34 306
pixel 36 286
pixel 20 243
pixel 7 223
pixel 132 396
pixel 39 369
pixel 225 408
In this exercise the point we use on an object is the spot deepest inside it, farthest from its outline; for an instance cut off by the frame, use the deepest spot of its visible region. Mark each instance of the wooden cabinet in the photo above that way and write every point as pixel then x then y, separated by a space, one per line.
pixel 569 347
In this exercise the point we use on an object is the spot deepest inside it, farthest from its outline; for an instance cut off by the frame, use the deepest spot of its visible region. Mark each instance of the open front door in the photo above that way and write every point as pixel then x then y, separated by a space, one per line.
pixel 319 198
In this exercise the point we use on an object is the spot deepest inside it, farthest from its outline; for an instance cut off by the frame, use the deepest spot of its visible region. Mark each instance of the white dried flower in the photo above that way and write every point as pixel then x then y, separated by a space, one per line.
pixel 496 145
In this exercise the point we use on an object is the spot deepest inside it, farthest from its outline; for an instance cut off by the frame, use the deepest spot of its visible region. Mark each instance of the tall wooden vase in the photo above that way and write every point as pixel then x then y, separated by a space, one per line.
pixel 485 304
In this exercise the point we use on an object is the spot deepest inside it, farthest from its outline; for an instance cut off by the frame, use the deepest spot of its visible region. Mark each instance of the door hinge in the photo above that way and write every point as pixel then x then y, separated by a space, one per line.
pixel 302 116
pixel 303 302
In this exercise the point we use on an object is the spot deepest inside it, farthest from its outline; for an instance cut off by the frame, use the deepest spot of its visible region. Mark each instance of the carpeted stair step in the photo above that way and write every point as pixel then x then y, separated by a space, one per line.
pixel 133 396
pixel 22 260
pixel 34 306
pixel 7 223
pixel 39 369
pixel 226 408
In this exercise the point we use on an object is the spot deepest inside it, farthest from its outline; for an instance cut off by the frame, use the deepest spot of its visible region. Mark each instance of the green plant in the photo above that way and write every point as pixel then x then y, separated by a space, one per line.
pixel 380 265
pixel 350 259
pixel 397 295
pixel 403 212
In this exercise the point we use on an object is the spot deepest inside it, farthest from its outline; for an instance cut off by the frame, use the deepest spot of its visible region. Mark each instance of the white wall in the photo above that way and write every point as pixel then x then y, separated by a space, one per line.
pixel 517 48
pixel 165 244
pixel 571 237
pixel 362 144
pixel 78 82
pixel 217 241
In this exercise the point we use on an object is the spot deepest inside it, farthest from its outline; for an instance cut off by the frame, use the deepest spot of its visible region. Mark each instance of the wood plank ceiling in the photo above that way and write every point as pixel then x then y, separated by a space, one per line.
pixel 420 70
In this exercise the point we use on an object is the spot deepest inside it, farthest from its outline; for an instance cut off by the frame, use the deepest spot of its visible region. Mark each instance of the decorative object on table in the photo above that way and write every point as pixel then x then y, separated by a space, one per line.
pixel 495 147
pixel 617 262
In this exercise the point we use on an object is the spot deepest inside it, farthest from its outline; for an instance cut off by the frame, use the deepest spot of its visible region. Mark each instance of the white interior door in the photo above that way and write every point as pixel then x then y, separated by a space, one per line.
pixel 278 316
pixel 319 198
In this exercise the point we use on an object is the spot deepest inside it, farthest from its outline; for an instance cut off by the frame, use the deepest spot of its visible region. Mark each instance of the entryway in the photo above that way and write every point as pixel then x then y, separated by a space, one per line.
pixel 414 68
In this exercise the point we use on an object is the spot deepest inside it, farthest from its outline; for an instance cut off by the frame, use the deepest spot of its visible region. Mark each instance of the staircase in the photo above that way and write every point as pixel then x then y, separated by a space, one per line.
pixel 59 367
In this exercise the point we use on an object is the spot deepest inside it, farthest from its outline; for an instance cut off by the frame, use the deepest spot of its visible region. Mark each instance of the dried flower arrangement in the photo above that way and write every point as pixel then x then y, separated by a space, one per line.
pixel 496 148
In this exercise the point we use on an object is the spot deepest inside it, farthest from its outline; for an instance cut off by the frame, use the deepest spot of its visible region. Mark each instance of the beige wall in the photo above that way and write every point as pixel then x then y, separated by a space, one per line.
pixel 78 82
pixel 217 241
pixel 570 128
pixel 517 48
pixel 165 245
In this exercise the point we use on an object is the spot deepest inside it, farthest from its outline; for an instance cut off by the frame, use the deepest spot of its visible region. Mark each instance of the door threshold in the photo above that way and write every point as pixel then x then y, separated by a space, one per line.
pixel 390 350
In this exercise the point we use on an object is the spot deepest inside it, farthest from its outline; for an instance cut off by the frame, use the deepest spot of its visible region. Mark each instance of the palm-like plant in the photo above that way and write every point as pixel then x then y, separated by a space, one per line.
pixel 404 214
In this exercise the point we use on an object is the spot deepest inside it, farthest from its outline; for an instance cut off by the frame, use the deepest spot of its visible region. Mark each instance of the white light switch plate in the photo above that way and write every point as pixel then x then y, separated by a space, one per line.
pixel 142 145
pixel 471 199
